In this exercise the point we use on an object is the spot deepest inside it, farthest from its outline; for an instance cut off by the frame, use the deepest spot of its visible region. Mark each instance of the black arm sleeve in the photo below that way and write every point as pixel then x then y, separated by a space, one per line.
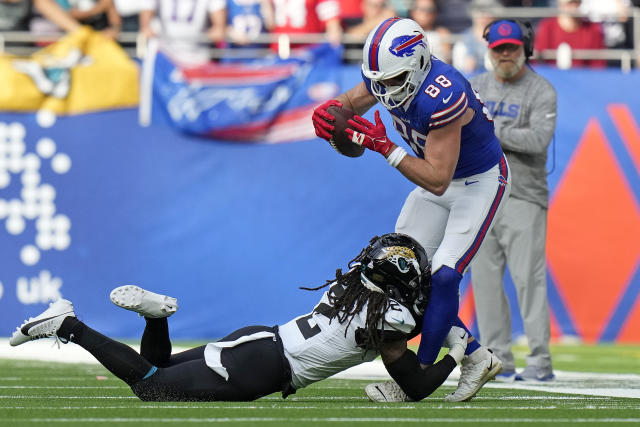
pixel 419 383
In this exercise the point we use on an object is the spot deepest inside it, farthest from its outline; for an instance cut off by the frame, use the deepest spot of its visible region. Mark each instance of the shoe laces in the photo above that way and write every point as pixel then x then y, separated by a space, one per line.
pixel 49 334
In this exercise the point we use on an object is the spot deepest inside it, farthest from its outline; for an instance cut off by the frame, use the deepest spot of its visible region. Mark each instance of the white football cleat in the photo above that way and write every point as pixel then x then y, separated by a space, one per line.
pixel 44 325
pixel 143 302
pixel 474 375
pixel 388 391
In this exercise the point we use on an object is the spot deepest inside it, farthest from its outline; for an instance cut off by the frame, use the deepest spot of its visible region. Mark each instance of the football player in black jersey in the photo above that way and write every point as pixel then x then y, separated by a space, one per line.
pixel 371 310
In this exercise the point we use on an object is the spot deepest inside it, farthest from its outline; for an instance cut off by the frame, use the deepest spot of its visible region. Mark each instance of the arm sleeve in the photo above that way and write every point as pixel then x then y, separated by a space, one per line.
pixel 419 383
pixel 535 137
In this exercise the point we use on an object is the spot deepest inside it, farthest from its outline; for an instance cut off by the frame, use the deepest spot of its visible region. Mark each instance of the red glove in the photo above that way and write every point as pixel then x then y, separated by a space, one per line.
pixel 373 137
pixel 321 117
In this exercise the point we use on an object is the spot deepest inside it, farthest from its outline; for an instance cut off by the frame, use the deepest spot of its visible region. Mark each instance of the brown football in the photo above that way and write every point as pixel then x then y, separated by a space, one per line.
pixel 340 141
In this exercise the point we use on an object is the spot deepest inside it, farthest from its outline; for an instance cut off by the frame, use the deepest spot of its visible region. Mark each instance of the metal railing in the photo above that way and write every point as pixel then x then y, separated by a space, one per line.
pixel 25 43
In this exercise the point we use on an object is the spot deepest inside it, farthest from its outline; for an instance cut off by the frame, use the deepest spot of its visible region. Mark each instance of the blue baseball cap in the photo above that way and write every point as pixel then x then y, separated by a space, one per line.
pixel 503 32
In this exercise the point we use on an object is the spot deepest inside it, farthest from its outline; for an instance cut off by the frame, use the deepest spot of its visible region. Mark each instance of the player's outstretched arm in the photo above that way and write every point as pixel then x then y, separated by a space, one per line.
pixel 416 380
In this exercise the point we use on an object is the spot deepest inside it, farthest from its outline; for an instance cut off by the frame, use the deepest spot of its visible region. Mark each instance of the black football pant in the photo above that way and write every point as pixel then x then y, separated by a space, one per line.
pixel 256 368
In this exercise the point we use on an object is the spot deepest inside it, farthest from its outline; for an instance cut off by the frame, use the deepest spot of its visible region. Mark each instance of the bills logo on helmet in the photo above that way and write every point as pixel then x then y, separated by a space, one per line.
pixel 406 45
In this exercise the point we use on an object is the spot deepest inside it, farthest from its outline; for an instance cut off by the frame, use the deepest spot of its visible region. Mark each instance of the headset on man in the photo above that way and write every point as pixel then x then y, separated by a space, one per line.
pixel 527 34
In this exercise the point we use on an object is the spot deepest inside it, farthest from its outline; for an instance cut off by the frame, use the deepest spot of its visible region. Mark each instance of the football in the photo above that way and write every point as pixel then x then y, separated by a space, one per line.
pixel 340 141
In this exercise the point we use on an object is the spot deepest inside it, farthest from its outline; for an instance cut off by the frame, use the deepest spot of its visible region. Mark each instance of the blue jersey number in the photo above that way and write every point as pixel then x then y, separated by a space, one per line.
pixel 415 139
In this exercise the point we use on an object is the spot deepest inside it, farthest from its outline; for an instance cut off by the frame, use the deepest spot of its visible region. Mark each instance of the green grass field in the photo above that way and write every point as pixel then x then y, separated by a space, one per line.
pixel 38 393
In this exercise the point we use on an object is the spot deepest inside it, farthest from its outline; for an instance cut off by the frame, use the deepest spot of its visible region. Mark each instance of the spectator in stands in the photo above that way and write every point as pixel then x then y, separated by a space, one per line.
pixel 425 13
pixel 51 17
pixel 350 13
pixel 129 11
pixel 69 14
pixel 15 15
pixel 613 16
pixel 570 29
pixel 292 17
pixel 635 3
pixel 374 12
pixel 468 54
pixel 525 3
pixel 453 14
pixel 402 7
pixel 247 20
pixel 181 25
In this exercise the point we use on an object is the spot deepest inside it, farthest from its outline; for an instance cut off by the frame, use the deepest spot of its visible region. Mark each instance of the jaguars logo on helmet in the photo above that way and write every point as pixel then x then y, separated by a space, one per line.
pixel 397 265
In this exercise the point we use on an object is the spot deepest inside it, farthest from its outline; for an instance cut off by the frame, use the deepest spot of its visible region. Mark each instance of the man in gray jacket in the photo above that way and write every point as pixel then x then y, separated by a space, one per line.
pixel 523 105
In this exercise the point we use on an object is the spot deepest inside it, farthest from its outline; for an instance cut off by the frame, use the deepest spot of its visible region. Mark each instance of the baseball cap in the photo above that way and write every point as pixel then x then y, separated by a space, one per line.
pixel 503 32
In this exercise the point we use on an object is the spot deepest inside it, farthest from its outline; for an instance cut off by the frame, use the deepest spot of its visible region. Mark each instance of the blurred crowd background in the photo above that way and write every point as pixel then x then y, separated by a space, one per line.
pixel 569 33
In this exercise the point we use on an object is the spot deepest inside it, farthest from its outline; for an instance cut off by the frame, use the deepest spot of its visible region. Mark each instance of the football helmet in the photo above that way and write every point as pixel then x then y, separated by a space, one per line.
pixel 397 265
pixel 396 49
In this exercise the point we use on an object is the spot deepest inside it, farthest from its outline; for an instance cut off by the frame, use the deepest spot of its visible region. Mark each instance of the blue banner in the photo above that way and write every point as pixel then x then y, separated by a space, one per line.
pixel 264 101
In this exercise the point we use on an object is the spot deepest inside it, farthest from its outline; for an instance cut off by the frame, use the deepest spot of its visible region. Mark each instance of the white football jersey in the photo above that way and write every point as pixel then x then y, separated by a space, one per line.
pixel 317 347
pixel 182 23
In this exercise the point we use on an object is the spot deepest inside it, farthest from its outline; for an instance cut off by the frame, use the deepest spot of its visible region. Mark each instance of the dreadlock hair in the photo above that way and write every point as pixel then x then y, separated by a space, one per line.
pixel 348 298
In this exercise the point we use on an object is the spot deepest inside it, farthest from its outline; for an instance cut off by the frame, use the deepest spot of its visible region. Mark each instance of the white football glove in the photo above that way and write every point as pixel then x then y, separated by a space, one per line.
pixel 456 341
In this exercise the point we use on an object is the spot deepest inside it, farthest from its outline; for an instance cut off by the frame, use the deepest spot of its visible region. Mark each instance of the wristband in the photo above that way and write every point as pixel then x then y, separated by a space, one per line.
pixel 396 156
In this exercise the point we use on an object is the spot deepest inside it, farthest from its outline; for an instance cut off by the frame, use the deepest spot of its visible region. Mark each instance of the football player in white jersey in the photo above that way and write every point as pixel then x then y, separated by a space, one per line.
pixel 461 174
pixel 372 309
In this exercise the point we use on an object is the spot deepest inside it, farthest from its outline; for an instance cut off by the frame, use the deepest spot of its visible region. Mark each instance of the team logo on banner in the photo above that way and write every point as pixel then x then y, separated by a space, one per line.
pixel 269 101
pixel 52 76
pixel 82 72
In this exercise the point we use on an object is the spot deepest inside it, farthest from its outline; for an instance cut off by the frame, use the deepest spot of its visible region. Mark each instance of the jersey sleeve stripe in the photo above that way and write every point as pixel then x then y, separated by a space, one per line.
pixel 452 117
pixel 375 43
pixel 450 109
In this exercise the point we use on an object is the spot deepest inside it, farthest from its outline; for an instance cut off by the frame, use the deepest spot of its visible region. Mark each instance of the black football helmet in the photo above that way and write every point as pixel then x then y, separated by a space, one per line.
pixel 397 265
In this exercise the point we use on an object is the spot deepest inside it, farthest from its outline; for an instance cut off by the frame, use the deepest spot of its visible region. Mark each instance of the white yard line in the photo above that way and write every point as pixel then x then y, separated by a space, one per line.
pixel 566 382
pixel 339 420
